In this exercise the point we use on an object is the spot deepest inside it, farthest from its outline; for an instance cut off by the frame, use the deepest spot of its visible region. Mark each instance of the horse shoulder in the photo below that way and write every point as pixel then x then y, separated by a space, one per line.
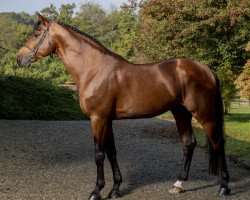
pixel 98 94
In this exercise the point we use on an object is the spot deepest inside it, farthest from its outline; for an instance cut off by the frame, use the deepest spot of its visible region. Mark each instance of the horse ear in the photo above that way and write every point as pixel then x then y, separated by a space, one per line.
pixel 43 20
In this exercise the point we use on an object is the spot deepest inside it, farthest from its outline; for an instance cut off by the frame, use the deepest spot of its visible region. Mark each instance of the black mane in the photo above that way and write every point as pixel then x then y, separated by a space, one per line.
pixel 80 32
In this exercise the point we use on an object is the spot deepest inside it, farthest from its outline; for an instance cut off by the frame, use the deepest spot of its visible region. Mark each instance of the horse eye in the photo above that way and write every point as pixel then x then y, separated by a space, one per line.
pixel 36 34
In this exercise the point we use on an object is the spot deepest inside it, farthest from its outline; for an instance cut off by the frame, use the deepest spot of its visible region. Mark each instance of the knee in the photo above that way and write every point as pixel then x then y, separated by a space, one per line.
pixel 99 158
pixel 190 144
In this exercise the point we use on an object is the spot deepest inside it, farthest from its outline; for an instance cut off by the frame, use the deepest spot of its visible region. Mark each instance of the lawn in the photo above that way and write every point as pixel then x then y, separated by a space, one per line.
pixel 237 129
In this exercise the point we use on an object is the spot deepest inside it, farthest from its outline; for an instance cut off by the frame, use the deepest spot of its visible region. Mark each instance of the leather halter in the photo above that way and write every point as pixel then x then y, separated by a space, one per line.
pixel 39 43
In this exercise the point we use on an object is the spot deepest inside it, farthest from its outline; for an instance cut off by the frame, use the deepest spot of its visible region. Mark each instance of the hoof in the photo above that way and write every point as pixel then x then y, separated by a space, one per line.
pixel 176 190
pixel 94 196
pixel 224 191
pixel 114 194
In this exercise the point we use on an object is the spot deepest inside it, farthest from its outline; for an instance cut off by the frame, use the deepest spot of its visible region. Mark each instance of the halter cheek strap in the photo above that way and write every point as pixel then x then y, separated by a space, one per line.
pixel 36 48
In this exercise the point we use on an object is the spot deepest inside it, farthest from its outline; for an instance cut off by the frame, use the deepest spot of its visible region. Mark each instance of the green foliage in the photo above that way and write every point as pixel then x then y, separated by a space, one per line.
pixel 13 30
pixel 243 81
pixel 115 29
pixel 227 78
pixel 64 14
pixel 91 18
pixel 213 32
pixel 28 98
pixel 49 69
pixel 125 29
pixel 50 12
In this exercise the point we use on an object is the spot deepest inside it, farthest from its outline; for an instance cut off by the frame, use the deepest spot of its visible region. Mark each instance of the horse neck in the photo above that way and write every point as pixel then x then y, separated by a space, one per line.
pixel 78 53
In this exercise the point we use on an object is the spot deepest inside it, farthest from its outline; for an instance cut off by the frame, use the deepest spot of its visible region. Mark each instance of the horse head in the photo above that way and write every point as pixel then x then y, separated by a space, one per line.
pixel 38 45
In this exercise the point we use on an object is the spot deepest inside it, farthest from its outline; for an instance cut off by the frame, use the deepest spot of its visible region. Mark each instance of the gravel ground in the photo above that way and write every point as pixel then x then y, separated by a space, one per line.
pixel 54 160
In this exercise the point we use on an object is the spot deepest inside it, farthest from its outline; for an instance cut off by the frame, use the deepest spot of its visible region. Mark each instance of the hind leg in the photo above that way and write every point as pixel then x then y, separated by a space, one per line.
pixel 183 122
pixel 217 159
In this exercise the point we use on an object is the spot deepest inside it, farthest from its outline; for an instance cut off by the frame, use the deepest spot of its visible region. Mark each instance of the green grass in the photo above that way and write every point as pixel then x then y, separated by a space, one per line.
pixel 28 98
pixel 237 129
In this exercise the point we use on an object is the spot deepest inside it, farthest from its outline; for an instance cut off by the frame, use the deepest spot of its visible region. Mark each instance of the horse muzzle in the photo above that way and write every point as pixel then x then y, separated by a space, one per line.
pixel 24 61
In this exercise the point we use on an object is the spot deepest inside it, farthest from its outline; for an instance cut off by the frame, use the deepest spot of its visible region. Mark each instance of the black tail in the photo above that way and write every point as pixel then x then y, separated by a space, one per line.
pixel 219 134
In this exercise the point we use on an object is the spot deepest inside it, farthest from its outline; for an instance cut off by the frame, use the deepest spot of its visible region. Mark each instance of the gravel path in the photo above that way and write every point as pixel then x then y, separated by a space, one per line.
pixel 54 160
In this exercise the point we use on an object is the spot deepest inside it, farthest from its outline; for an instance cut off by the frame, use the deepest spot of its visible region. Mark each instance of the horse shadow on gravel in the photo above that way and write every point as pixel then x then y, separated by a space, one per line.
pixel 154 155
pixel 148 151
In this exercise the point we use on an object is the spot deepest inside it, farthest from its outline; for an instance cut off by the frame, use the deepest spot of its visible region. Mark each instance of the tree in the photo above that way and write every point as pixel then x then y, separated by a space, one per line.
pixel 111 29
pixel 64 14
pixel 125 29
pixel 227 78
pixel 210 31
pixel 213 32
pixel 14 30
pixel 50 12
pixel 243 80
pixel 91 19
pixel 116 29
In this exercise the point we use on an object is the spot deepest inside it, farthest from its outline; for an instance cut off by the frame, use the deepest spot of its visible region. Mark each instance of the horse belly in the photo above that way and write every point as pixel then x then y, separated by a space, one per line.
pixel 144 103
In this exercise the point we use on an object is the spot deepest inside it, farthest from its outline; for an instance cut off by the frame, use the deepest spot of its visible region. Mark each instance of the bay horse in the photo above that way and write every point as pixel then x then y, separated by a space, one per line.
pixel 111 88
